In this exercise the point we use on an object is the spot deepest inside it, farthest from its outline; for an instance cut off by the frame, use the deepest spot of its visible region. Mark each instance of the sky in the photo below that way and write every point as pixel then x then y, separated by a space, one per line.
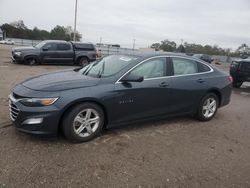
pixel 222 22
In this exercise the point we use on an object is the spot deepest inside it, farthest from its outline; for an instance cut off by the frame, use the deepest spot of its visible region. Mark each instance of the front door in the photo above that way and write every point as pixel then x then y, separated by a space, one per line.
pixel 49 53
pixel 137 100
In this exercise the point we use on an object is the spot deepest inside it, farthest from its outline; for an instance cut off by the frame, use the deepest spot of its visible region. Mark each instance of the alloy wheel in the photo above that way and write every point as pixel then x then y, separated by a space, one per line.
pixel 86 122
pixel 209 107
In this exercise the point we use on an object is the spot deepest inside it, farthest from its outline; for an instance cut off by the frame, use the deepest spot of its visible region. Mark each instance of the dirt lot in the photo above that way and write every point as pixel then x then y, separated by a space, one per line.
pixel 178 152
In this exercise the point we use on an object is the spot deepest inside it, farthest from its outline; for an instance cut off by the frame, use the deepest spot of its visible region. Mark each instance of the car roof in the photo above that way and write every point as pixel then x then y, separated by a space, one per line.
pixel 242 60
pixel 78 42
pixel 146 55
pixel 59 41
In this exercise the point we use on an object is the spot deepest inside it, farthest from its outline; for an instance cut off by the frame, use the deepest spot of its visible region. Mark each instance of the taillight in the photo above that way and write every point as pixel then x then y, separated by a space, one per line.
pixel 230 78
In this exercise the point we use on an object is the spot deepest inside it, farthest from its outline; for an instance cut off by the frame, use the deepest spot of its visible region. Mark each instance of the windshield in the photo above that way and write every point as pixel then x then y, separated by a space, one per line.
pixel 108 66
pixel 40 44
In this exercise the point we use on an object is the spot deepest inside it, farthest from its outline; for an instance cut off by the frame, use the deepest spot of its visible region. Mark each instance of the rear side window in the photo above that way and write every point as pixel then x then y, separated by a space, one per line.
pixel 184 66
pixel 63 47
pixel 86 47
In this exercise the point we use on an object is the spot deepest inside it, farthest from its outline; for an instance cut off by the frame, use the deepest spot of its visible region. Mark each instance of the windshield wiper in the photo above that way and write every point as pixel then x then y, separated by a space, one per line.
pixel 99 75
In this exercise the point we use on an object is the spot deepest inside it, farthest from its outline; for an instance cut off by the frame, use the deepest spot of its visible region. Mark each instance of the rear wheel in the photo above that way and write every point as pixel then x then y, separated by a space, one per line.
pixel 208 107
pixel 83 122
pixel 83 61
pixel 31 61
pixel 237 84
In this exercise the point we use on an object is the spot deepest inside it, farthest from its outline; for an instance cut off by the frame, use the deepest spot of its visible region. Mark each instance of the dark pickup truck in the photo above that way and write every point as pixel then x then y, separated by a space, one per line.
pixel 240 71
pixel 55 51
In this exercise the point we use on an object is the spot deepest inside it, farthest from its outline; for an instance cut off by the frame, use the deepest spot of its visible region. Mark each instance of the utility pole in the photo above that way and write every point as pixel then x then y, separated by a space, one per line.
pixel 75 21
pixel 133 44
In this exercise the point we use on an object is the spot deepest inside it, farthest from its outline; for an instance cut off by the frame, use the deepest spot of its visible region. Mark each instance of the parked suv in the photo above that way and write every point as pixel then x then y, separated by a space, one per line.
pixel 55 51
pixel 240 71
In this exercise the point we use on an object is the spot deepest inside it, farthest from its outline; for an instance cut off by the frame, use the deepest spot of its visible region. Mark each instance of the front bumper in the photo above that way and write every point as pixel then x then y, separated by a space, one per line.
pixel 25 118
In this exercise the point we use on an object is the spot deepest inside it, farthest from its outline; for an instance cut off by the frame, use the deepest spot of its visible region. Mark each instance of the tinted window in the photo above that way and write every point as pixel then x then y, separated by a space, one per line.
pixel 82 46
pixel 50 46
pixel 151 69
pixel 63 46
pixel 184 66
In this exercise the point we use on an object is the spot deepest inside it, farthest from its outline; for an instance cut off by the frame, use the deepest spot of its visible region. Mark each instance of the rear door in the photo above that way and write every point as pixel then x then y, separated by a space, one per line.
pixel 189 83
pixel 137 100
pixel 65 53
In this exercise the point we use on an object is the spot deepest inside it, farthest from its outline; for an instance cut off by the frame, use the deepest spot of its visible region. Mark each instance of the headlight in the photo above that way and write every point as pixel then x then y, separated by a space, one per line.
pixel 18 53
pixel 35 102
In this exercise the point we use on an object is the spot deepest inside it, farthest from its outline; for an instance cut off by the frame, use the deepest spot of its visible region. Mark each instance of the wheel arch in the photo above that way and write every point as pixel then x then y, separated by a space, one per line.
pixel 79 101
pixel 217 93
pixel 81 56
pixel 31 55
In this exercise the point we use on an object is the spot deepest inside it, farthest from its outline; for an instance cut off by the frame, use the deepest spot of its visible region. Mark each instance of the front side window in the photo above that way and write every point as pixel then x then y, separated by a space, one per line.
pixel 184 66
pixel 50 46
pixel 151 69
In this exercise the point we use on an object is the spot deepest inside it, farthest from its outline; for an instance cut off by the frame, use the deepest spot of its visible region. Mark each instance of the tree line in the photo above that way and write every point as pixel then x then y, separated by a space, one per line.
pixel 18 29
pixel 192 48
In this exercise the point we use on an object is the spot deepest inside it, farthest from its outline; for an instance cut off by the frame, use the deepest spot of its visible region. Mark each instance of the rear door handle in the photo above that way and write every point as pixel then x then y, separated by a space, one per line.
pixel 163 84
pixel 200 80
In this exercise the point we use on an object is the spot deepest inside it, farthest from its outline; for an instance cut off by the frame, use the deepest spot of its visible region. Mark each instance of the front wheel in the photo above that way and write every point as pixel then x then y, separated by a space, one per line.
pixel 208 107
pixel 83 122
pixel 31 61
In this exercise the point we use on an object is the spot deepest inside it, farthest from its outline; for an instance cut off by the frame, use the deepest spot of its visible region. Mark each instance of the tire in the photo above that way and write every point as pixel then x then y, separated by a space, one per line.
pixel 31 61
pixel 83 61
pixel 77 126
pixel 237 84
pixel 206 111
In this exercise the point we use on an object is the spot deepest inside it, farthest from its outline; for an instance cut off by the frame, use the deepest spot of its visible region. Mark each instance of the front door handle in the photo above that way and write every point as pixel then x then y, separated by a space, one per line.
pixel 163 84
pixel 200 80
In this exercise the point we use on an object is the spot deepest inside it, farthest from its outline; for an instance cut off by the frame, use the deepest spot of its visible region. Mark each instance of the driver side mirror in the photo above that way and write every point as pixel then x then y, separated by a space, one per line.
pixel 132 78
pixel 45 48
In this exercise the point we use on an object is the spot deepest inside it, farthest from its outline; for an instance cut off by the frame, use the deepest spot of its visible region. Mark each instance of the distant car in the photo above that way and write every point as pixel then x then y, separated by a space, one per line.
pixel 116 90
pixel 203 57
pixel 56 51
pixel 8 41
pixel 240 71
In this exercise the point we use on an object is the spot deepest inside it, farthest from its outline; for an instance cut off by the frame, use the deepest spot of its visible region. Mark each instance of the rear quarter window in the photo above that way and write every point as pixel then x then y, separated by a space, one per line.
pixel 203 68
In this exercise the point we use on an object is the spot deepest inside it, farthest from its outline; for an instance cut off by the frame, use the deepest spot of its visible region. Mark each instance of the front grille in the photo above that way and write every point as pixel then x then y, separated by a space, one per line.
pixel 14 111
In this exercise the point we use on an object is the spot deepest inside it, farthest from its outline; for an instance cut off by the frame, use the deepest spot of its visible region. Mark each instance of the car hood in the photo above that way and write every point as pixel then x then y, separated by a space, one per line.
pixel 21 49
pixel 59 81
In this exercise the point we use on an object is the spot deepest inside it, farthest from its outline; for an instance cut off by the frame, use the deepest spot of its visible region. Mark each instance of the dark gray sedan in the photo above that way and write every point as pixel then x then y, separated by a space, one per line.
pixel 116 90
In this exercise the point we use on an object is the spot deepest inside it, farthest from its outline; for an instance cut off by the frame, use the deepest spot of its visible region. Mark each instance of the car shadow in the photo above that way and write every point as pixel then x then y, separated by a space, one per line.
pixel 108 132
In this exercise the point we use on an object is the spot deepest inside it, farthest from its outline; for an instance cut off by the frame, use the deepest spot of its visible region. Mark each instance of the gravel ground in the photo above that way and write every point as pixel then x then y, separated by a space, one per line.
pixel 176 152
